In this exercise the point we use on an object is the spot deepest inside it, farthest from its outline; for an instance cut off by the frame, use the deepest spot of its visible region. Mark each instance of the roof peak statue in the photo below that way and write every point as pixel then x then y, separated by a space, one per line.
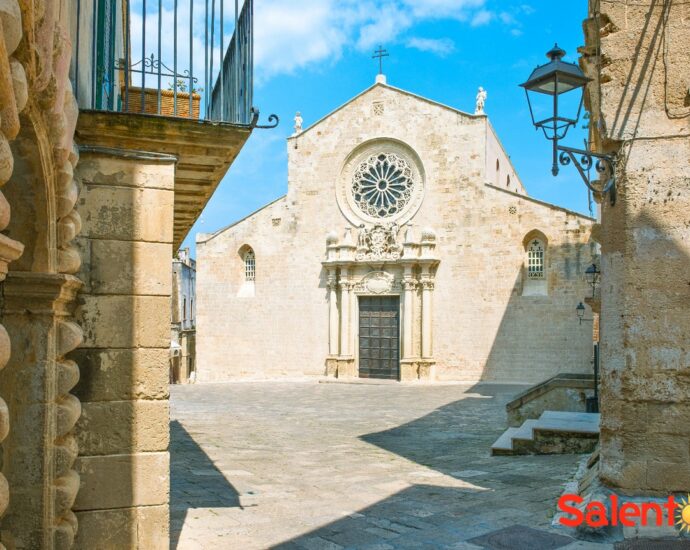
pixel 481 100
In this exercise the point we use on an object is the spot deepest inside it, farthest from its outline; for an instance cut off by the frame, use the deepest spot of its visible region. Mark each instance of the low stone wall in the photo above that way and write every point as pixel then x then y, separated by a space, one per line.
pixel 563 392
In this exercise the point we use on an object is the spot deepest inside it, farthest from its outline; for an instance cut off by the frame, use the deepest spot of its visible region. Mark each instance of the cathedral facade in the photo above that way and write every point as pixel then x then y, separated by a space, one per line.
pixel 406 248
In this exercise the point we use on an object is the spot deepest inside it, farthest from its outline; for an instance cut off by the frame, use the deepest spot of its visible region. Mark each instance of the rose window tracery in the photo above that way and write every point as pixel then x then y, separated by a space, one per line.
pixel 382 185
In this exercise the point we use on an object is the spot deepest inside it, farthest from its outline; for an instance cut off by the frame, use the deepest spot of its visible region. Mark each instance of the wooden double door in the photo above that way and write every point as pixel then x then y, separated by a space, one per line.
pixel 379 337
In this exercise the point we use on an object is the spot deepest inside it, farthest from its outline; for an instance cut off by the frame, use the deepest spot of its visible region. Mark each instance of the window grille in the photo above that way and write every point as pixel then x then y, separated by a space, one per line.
pixel 535 260
pixel 249 266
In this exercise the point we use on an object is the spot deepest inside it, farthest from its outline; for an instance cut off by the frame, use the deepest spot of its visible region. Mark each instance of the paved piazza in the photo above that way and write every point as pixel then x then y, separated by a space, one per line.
pixel 307 465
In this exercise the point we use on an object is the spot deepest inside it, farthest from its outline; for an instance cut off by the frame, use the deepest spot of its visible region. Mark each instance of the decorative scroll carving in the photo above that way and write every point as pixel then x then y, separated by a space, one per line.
pixel 376 282
pixel 378 243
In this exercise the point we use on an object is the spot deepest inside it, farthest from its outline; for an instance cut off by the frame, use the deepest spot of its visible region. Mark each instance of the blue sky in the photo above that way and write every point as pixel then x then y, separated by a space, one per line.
pixel 314 55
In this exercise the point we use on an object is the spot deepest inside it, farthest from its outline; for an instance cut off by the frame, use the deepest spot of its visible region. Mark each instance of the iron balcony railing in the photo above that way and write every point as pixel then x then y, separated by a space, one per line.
pixel 180 58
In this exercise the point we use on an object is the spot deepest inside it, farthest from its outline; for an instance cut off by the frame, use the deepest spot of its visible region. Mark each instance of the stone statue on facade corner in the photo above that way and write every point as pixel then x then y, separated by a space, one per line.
pixel 378 243
pixel 481 100
pixel 298 124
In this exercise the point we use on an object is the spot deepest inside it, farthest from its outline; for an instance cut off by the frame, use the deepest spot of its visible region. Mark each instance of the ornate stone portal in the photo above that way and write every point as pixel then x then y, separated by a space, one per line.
pixel 378 265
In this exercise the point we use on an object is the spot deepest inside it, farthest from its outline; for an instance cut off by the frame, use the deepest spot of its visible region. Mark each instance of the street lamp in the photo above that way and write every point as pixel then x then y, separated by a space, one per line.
pixel 551 81
pixel 592 402
pixel 580 309
pixel 592 274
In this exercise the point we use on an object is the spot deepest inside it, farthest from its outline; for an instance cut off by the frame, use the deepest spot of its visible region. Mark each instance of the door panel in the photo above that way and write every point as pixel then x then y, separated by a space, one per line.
pixel 379 340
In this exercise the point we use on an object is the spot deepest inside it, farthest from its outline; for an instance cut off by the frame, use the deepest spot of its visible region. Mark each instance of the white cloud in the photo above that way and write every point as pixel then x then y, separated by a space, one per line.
pixel 441 47
pixel 482 17
pixel 292 34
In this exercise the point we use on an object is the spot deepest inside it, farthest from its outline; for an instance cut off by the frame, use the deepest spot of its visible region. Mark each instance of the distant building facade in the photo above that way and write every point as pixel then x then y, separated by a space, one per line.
pixel 406 248
pixel 183 320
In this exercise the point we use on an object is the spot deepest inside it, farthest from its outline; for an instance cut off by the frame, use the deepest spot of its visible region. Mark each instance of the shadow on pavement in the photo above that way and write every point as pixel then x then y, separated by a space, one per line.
pixel 195 482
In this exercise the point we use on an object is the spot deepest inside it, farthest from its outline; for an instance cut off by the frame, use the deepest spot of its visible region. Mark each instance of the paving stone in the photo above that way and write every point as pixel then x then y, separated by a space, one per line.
pixel 306 466
pixel 519 537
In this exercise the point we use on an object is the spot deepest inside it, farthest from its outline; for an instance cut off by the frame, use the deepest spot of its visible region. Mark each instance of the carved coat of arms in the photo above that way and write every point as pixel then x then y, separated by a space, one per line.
pixel 377 243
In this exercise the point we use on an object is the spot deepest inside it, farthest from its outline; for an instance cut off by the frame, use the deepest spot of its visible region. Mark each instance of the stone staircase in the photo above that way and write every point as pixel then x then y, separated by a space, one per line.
pixel 554 432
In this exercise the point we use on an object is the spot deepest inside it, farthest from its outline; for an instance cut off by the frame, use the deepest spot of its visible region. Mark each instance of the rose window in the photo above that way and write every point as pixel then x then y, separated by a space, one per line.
pixel 382 185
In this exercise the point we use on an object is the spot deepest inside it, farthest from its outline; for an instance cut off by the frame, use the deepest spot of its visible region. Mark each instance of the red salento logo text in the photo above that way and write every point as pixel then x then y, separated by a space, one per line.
pixel 625 514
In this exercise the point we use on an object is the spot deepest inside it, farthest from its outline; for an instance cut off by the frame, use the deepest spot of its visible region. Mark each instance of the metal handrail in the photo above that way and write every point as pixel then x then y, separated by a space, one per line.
pixel 130 68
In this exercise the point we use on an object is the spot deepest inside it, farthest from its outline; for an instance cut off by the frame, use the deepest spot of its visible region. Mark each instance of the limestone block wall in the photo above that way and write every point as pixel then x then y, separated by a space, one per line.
pixel 483 328
pixel 640 101
pixel 126 245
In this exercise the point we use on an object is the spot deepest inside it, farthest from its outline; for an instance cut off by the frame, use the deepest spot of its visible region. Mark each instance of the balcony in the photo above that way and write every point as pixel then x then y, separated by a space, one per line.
pixel 167 76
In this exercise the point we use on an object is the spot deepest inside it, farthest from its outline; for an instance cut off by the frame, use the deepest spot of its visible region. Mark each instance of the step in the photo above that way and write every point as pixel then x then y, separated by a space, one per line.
pixel 504 444
pixel 585 423
pixel 576 416
pixel 522 440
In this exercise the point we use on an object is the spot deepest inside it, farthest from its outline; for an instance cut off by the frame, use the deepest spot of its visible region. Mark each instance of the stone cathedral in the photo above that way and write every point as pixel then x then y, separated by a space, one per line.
pixel 406 248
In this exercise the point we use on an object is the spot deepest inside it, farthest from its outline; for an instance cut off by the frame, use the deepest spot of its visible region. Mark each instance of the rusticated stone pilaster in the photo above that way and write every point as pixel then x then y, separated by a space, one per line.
pixel 13 97
pixel 37 379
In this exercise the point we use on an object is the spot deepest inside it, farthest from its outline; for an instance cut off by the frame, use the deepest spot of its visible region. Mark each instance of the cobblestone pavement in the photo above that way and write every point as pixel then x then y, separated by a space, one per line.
pixel 304 465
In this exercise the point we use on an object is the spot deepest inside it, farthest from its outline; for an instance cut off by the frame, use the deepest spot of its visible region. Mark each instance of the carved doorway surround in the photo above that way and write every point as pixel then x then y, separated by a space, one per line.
pixel 379 266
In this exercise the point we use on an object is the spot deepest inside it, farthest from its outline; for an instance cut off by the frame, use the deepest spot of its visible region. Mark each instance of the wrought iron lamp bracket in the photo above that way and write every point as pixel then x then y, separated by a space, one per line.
pixel 604 165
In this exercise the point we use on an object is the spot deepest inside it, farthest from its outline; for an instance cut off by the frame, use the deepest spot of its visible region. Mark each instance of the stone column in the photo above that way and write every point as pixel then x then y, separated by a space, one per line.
pixel 126 242
pixel 409 286
pixel 332 314
pixel 345 286
pixel 346 360
pixel 40 450
pixel 427 349
pixel 427 313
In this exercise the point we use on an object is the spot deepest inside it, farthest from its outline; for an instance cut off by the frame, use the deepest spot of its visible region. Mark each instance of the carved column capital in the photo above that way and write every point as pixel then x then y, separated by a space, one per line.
pixel 409 284
pixel 427 284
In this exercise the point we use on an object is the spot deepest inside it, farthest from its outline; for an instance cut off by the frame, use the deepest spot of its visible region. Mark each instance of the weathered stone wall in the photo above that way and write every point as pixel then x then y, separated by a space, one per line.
pixel 10 36
pixel 640 100
pixel 37 119
pixel 126 245
pixel 483 327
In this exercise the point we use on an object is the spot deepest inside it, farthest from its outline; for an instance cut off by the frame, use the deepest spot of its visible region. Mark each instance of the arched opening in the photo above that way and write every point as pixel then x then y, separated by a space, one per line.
pixel 247 263
pixel 535 282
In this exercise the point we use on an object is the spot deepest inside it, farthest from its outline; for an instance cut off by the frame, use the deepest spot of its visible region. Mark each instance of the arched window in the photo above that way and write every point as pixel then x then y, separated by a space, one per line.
pixel 535 259
pixel 508 181
pixel 249 265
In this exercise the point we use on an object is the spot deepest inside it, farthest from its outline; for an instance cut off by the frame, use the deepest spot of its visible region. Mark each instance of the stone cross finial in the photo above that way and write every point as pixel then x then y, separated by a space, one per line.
pixel 298 124
pixel 481 100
